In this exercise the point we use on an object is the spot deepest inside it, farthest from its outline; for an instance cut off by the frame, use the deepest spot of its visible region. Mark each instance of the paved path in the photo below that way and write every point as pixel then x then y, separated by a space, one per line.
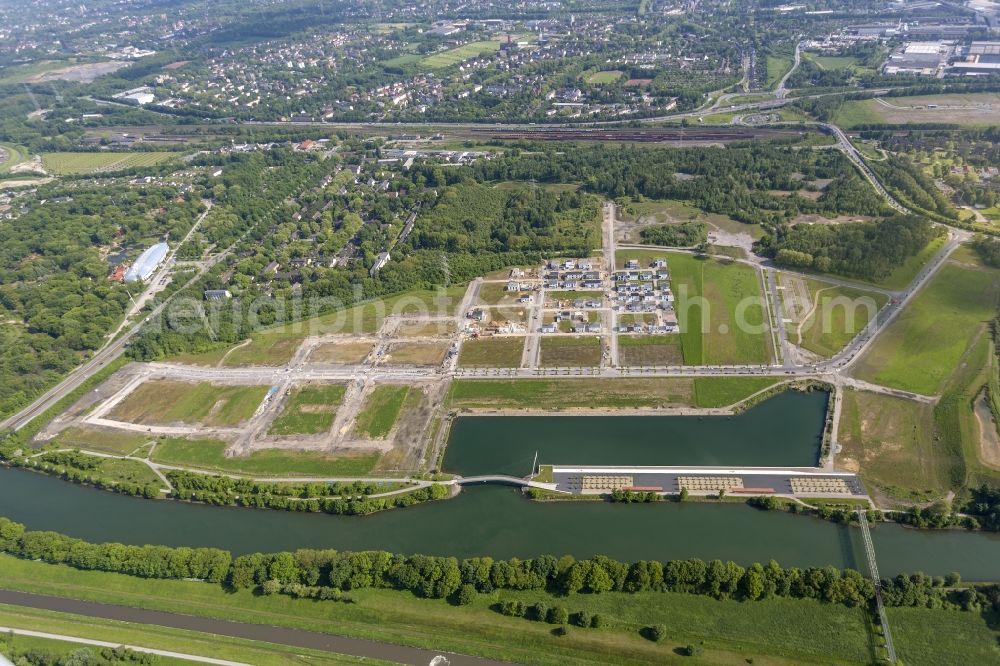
pixel 256 632
pixel 106 644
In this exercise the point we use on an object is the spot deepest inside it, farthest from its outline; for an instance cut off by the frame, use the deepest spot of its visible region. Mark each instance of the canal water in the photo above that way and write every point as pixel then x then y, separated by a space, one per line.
pixel 497 521
pixel 785 430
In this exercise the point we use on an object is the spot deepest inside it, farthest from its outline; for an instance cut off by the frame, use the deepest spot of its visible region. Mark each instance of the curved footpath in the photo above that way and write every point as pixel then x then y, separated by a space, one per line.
pixel 358 647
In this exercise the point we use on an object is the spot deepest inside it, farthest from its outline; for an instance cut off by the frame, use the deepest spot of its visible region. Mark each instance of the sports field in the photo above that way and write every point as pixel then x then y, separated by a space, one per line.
pixel 460 54
pixel 926 342
pixel 720 308
pixel 603 78
pixel 82 163
pixel 162 402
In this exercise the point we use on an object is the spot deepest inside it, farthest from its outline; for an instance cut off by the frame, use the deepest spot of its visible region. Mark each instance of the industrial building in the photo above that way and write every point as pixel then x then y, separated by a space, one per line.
pixel 147 263
pixel 924 58
pixel 978 58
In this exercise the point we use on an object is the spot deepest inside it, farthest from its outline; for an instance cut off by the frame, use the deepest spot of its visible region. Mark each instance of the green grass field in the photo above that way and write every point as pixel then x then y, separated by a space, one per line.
pixel 931 638
pixel 460 54
pixel 720 310
pixel 106 441
pixel 925 343
pixel 161 402
pixel 570 351
pixel 777 66
pixel 12 155
pixel 840 314
pixel 310 410
pixel 834 63
pixel 640 350
pixel 380 411
pixel 210 454
pixel 776 632
pixel 81 163
pixel 968 110
pixel 604 77
pixel 892 441
pixel 725 391
pixel 156 638
pixel 495 352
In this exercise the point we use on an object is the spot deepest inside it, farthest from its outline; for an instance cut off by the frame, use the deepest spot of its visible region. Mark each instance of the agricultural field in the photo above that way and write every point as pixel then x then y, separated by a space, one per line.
pixel 83 163
pixel 926 342
pixel 210 455
pixel 495 352
pixel 720 308
pixel 381 410
pixel 969 110
pixel 891 442
pixel 644 350
pixel 310 410
pixel 570 351
pixel 159 402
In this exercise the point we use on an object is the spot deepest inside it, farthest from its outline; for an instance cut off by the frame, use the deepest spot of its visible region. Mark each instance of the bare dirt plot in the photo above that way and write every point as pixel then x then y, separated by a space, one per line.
pixel 567 351
pixel 494 352
pixel 416 353
pixel 575 393
pixel 347 352
pixel 160 402
pixel 649 350
pixel 425 329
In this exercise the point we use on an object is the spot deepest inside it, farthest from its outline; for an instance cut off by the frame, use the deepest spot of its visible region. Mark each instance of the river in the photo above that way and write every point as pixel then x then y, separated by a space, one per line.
pixel 497 521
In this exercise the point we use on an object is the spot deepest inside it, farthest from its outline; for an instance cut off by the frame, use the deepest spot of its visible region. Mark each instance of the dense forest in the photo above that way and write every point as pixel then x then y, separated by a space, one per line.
pixel 868 250
pixel 737 181
pixel 56 303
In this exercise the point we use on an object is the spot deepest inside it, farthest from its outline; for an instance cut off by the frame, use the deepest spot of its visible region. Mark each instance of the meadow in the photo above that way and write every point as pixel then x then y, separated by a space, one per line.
pixel 496 352
pixel 310 410
pixel 923 346
pixel 161 402
pixel 83 163
pixel 566 351
pixel 720 308
pixel 209 454
pixel 381 409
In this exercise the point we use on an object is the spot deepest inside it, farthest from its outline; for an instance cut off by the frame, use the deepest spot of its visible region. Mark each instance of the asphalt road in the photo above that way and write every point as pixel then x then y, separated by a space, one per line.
pixel 294 637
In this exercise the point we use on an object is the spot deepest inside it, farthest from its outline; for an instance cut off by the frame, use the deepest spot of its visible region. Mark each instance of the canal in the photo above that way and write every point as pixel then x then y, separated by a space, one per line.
pixel 497 521
pixel 783 431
